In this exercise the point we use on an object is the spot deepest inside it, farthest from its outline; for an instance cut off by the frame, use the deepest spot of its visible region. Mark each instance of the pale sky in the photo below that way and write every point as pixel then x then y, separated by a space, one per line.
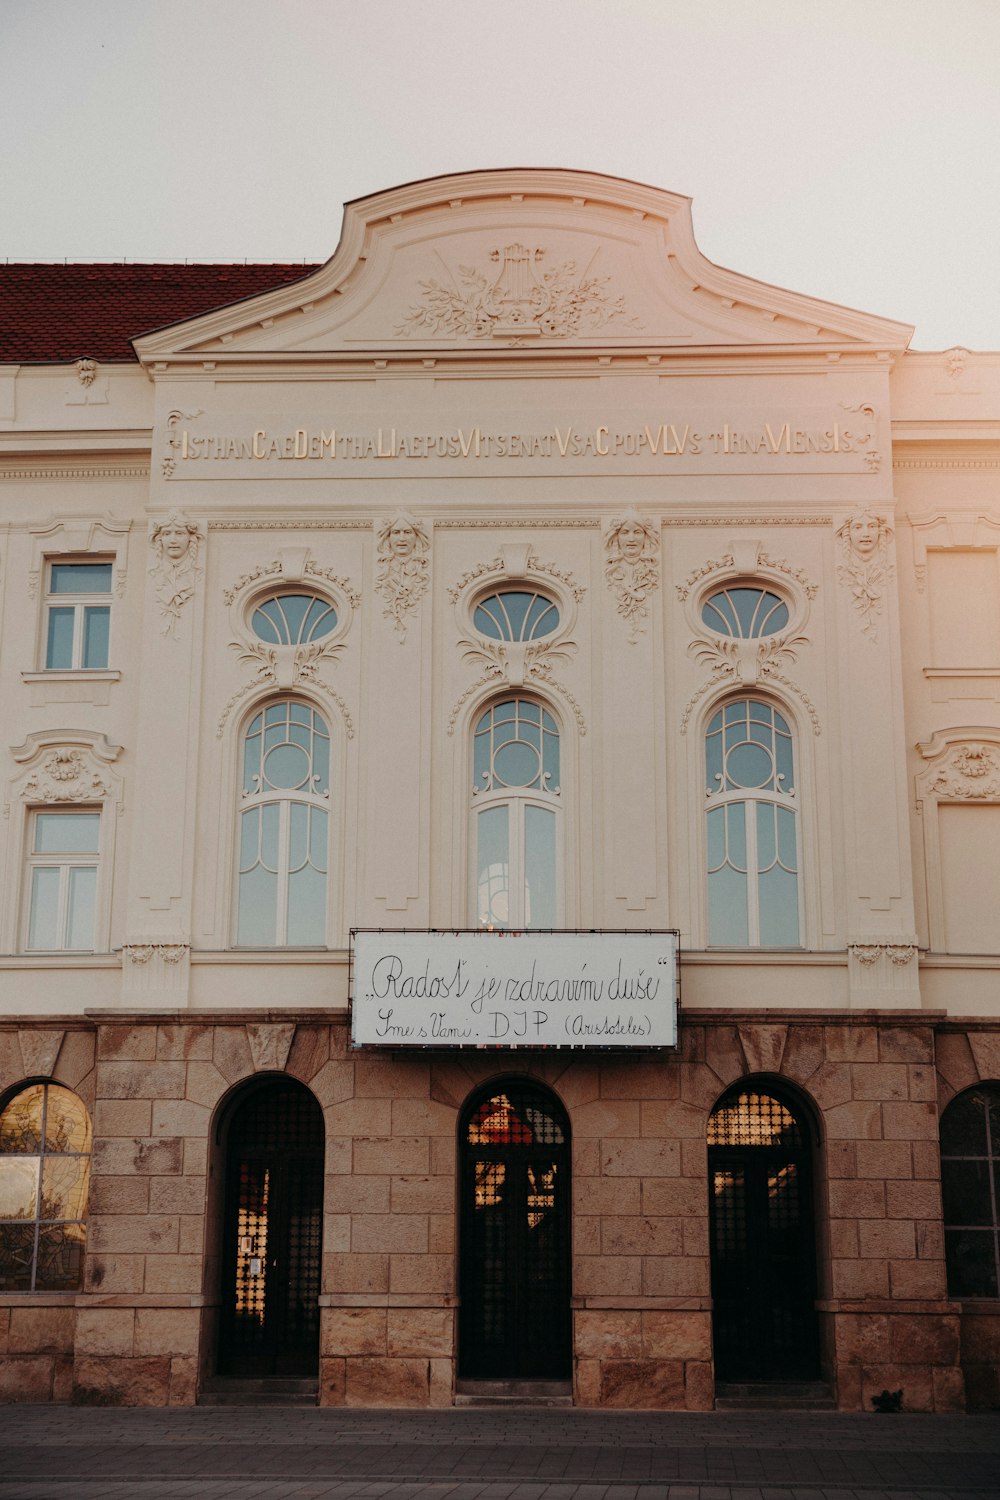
pixel 845 149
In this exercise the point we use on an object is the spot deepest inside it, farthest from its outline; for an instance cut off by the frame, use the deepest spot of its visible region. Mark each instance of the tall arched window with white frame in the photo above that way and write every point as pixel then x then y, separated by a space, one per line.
pixel 751 828
pixel 516 816
pixel 284 828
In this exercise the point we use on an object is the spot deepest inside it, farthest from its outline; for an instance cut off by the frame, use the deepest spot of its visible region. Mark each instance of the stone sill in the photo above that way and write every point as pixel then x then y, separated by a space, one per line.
pixel 764 957
pixel 224 956
pixel 60 961
pixel 38 1299
pixel 642 1304
pixel 961 672
pixel 904 1305
pixel 388 1299
pixel 960 961
pixel 141 1299
pixel 980 1307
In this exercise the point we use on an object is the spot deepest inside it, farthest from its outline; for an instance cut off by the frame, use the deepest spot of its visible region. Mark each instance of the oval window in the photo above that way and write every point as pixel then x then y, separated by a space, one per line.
pixel 516 615
pixel 293 619
pixel 745 613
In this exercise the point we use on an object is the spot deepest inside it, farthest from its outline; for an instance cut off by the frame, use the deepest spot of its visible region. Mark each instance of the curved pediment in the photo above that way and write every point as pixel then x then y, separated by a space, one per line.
pixel 521 258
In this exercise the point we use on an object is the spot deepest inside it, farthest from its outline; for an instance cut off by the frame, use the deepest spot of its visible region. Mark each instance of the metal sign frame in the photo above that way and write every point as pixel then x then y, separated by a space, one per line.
pixel 474 988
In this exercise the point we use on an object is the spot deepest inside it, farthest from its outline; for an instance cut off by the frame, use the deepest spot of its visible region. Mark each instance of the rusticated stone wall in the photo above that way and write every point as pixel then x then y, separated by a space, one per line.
pixel 142 1329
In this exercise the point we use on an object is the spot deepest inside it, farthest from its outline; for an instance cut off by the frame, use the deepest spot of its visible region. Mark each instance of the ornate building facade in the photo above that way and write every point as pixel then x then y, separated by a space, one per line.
pixel 515 570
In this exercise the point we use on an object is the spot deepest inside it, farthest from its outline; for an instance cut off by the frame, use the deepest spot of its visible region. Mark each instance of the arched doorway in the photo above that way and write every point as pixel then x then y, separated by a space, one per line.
pixel 514 1320
pixel 763 1241
pixel 273 1139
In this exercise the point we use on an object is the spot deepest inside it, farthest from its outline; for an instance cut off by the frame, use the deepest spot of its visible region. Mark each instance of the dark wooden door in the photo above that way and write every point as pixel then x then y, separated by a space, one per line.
pixel 273 1235
pixel 515 1263
pixel 762 1241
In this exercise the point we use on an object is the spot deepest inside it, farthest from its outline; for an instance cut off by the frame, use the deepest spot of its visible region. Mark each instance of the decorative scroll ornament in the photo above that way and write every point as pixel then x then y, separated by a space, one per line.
pixel 403 569
pixel 289 664
pixel 86 371
pixel 520 302
pixel 632 567
pixel 66 775
pixel 169 460
pixel 867 423
pixel 865 567
pixel 174 571
pixel 515 663
pixel 971 772
pixel 955 361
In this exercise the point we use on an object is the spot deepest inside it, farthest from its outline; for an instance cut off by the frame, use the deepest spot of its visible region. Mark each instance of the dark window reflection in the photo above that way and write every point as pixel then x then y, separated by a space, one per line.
pixel 970 1190
pixel 45 1141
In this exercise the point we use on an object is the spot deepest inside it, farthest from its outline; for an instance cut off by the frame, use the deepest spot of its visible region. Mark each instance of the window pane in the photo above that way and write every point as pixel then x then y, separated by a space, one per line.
pixel 60 1256
pixel 258 915
pixel 17 1253
pixel 81 907
pixel 80 578
pixel 67 1123
pixel 64 1187
pixel 727 908
pixel 44 915
pixel 539 867
pixel 779 909
pixel 96 627
pixel 306 908
pixel 21 1122
pixel 971 1258
pixel 965 1192
pixel 67 833
pixel 963 1127
pixel 59 643
pixel 493 871
pixel 19 1187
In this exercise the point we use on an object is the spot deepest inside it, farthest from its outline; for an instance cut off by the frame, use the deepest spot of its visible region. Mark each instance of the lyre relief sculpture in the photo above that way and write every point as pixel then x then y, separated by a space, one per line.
pixel 632 566
pixel 865 566
pixel 403 573
pixel 174 569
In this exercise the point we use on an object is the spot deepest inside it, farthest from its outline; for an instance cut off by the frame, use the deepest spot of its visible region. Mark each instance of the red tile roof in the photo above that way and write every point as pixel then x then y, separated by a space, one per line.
pixel 50 314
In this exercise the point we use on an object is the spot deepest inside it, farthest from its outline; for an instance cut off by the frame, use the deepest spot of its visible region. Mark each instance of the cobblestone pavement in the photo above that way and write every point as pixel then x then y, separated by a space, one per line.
pixel 261 1453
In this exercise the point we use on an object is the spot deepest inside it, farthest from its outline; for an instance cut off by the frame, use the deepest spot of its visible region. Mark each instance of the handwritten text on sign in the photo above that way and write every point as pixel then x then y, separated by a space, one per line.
pixel 491 989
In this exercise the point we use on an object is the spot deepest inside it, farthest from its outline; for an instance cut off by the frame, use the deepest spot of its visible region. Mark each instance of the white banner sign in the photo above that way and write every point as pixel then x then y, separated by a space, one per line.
pixel 525 989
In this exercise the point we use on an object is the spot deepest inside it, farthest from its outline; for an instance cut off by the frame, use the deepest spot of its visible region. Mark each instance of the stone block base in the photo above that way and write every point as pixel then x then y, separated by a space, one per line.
pixel 907 1347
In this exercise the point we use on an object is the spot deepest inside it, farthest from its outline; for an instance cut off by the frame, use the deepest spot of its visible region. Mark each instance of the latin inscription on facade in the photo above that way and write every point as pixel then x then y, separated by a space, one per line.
pixel 850 434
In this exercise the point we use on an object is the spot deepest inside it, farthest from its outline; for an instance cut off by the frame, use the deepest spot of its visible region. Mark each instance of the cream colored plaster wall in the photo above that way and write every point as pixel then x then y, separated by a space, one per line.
pixel 632 686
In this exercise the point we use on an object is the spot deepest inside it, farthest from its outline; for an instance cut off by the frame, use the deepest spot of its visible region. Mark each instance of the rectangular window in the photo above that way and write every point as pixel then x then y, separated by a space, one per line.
pixel 77 616
pixel 62 880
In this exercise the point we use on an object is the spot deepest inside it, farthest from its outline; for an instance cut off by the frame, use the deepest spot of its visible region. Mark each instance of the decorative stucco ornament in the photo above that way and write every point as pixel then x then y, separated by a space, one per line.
pixel 174 569
pixel 403 568
pixel 632 567
pixel 865 568
pixel 86 371
pixel 970 773
pixel 519 302
pixel 66 775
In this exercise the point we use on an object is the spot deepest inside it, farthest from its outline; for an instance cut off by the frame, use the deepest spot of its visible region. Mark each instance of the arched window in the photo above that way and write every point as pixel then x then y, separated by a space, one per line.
pixel 284 828
pixel 514 1237
pixel 762 1236
pixel 751 828
pixel 516 808
pixel 45 1141
pixel 970 1190
pixel 745 612
pixel 516 615
pixel 293 619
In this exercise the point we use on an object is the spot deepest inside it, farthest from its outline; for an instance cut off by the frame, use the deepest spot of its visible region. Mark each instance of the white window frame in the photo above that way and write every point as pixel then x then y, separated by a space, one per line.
pixel 60 770
pixel 516 802
pixel 64 861
pixel 246 803
pixel 749 797
pixel 79 602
